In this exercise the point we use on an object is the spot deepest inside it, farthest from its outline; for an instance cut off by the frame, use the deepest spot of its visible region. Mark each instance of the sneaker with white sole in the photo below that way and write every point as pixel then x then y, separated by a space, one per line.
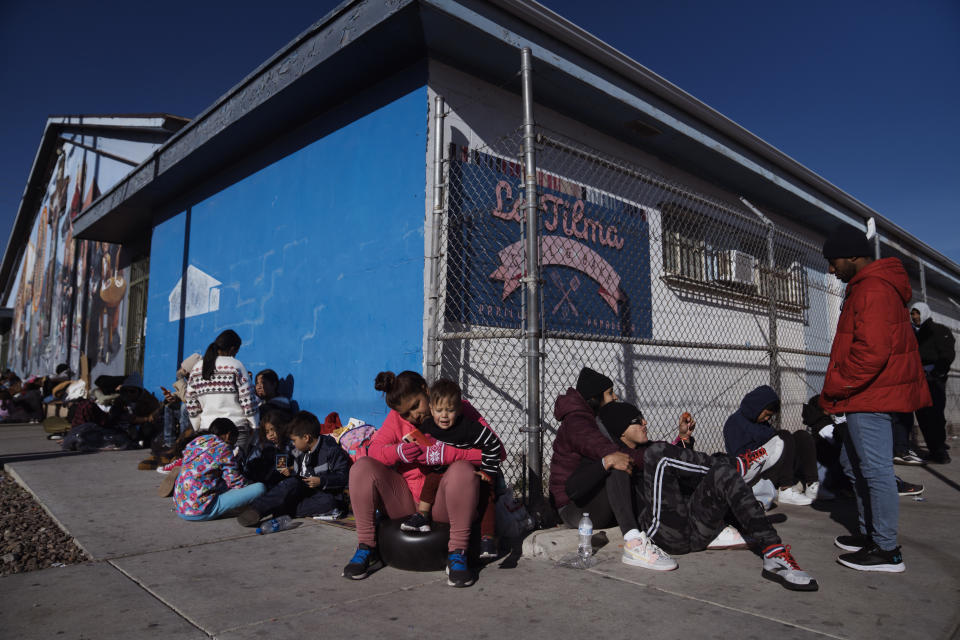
pixel 728 538
pixel 334 514
pixel 642 552
pixel 752 461
pixel 779 566
pixel 910 457
pixel 416 522
pixel 167 468
pixel 873 558
pixel 812 490
pixel 905 488
pixel 458 573
pixel 790 495
pixel 852 542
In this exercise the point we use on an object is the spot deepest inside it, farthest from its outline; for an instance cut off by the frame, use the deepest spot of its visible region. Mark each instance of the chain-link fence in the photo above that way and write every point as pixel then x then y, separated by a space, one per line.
pixel 685 300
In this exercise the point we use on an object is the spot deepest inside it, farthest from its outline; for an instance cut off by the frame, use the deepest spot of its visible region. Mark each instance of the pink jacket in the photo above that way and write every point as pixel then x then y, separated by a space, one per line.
pixel 383 447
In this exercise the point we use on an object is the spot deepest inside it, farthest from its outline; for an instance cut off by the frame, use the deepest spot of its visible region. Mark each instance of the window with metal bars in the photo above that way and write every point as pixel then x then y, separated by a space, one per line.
pixel 729 258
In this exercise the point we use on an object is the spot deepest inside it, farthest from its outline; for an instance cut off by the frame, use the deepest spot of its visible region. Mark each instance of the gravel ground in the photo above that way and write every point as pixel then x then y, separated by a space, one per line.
pixel 31 540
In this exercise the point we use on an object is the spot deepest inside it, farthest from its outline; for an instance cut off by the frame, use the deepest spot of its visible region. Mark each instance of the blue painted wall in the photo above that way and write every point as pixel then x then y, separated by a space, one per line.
pixel 320 255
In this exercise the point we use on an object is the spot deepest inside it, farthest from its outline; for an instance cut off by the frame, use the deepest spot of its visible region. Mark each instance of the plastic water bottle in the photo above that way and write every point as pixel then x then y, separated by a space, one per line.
pixel 277 524
pixel 585 548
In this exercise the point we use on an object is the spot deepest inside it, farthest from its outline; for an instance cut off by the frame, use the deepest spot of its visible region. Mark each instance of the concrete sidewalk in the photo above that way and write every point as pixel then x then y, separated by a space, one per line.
pixel 157 576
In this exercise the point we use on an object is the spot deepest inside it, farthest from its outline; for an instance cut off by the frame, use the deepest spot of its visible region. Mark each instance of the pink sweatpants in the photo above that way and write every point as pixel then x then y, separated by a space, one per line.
pixel 373 486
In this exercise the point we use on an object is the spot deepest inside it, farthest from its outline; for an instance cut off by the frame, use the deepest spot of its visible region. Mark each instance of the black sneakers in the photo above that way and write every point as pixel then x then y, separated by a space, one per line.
pixel 852 542
pixel 416 522
pixel 365 561
pixel 873 558
pixel 905 488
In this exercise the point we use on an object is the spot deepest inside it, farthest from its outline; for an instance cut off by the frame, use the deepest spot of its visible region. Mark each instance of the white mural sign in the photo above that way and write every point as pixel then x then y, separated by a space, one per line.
pixel 203 294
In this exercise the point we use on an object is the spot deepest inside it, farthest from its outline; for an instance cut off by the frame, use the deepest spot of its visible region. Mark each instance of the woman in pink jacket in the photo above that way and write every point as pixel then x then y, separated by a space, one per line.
pixel 390 478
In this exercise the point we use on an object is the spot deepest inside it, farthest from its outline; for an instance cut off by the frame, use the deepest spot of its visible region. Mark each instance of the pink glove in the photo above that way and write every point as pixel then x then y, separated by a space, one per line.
pixel 409 452
pixel 440 453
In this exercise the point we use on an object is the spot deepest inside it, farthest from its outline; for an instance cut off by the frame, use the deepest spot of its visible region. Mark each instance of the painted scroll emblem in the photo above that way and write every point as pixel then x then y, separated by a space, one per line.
pixel 566 252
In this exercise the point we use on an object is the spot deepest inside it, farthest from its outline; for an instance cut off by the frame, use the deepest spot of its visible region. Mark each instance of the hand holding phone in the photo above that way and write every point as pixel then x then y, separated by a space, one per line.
pixel 418 437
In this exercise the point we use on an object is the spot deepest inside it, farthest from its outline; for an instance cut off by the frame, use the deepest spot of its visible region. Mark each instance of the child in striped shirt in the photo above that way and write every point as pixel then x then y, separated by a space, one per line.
pixel 448 425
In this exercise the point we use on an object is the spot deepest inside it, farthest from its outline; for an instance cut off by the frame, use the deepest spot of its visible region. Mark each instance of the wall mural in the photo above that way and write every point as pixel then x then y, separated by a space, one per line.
pixel 71 297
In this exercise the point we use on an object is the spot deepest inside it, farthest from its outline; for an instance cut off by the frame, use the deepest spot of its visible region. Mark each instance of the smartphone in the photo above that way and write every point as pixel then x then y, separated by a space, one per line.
pixel 417 436
pixel 281 461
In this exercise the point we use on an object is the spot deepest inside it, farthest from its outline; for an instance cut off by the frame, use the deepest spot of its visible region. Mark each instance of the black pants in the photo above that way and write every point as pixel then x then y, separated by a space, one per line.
pixel 681 522
pixel 931 420
pixel 293 497
pixel 797 463
pixel 610 498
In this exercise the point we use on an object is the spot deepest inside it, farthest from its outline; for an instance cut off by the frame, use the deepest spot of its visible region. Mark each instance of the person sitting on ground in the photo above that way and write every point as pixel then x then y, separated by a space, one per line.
pixel 176 417
pixel 63 374
pixel 795 475
pixel 209 484
pixel 273 451
pixel 219 387
pixel 138 411
pixel 686 497
pixel 26 403
pixel 315 484
pixel 447 425
pixel 267 388
pixel 391 476
pixel 593 471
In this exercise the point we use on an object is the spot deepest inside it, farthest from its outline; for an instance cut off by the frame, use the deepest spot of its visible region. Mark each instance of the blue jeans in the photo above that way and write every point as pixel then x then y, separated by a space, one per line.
pixel 175 421
pixel 227 501
pixel 867 462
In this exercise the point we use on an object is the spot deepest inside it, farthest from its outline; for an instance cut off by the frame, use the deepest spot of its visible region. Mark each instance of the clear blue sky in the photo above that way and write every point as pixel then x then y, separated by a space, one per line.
pixel 866 94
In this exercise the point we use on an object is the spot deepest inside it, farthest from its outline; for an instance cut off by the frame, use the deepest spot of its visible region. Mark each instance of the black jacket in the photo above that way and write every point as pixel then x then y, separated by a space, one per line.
pixel 327 460
pixel 936 347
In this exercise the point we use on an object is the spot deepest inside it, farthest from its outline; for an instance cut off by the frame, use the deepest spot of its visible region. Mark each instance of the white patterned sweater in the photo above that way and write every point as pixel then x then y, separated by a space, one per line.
pixel 227 394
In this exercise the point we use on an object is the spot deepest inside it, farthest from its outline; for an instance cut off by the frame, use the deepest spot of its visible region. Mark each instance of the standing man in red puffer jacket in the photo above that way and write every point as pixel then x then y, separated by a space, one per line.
pixel 874 372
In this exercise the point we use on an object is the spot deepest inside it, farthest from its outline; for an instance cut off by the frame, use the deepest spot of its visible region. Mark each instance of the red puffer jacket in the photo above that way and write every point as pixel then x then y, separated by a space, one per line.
pixel 874 363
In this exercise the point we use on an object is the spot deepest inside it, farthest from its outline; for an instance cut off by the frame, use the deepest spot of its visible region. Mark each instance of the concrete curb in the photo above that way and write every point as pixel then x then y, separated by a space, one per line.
pixel 553 544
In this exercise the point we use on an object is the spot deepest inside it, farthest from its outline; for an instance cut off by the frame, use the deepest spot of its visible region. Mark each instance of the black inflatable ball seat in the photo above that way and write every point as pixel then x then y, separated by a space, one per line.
pixel 413 550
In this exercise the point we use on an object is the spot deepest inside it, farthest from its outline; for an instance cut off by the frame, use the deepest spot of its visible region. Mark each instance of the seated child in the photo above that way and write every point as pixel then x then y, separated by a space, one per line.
pixel 315 484
pixel 448 425
pixel 209 484
pixel 795 474
pixel 273 450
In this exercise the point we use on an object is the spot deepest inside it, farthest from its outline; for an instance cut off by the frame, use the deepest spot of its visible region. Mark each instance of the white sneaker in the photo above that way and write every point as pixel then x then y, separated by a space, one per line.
pixel 642 552
pixel 729 538
pixel 791 496
pixel 779 566
pixel 753 461
pixel 812 491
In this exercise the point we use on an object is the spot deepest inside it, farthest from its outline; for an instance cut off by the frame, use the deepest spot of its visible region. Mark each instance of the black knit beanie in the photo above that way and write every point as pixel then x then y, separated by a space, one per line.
pixel 617 416
pixel 847 242
pixel 592 383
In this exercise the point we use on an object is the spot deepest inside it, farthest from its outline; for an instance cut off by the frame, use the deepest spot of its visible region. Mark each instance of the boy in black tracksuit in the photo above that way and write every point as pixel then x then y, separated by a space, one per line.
pixel 315 484
pixel 683 496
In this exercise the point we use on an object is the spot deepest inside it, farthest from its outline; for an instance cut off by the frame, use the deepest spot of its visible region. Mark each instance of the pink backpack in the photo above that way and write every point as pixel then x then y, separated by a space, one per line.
pixel 356 440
